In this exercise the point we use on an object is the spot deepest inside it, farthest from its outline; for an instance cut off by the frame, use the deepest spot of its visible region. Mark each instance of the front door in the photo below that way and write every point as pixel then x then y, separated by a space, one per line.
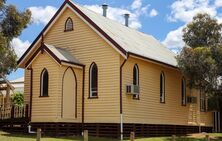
pixel 69 94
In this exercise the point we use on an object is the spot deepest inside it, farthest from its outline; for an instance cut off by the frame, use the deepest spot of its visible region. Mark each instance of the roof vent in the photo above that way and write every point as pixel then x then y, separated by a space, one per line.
pixel 105 7
pixel 127 19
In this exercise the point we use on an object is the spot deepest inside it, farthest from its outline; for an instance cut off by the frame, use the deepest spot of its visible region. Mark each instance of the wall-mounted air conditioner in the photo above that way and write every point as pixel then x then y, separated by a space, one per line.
pixel 132 89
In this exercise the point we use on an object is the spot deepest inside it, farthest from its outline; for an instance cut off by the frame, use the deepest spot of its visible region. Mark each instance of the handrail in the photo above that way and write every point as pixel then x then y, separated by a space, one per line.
pixel 13 111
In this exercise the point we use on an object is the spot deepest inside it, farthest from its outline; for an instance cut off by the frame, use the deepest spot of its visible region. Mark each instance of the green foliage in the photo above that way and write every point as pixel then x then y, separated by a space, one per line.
pixel 201 60
pixel 12 22
pixel 18 99
pixel 199 66
pixel 203 31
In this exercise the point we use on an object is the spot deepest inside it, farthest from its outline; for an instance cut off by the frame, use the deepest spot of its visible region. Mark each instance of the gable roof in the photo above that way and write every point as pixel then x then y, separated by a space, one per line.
pixel 61 56
pixel 126 40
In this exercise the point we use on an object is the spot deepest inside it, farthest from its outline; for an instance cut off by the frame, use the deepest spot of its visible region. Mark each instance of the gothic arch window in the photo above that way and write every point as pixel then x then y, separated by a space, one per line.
pixel 69 24
pixel 183 91
pixel 93 81
pixel 44 83
pixel 162 87
pixel 136 75
pixel 136 79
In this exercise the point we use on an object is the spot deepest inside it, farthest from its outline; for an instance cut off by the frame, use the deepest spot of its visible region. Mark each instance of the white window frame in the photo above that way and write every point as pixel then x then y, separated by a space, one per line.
pixel 90 87
pixel 68 26
pixel 137 79
pixel 42 81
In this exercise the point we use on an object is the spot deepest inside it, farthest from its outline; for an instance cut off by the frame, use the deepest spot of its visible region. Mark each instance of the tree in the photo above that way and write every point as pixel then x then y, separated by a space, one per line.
pixel 203 31
pixel 18 99
pixel 201 59
pixel 12 22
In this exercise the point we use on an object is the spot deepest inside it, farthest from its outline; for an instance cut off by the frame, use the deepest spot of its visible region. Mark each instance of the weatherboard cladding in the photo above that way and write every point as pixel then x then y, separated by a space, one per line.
pixel 125 39
pixel 59 54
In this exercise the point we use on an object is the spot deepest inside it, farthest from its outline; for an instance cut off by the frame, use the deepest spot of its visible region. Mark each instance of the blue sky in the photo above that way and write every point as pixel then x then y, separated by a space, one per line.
pixel 164 19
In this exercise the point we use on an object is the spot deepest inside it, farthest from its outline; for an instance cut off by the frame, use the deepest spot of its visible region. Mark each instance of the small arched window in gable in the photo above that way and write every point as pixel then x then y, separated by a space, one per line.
pixel 69 24
pixel 44 83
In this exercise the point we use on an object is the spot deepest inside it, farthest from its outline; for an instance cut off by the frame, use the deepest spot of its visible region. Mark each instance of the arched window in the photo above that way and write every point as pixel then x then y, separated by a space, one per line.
pixel 93 83
pixel 183 91
pixel 162 87
pixel 69 24
pixel 44 83
pixel 136 79
pixel 136 75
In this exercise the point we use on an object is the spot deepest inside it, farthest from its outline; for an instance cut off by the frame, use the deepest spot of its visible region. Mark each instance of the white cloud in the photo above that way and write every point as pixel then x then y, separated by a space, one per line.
pixel 42 14
pixel 136 10
pixel 174 39
pixel 19 46
pixel 153 13
pixel 184 10
pixel 218 3
pixel 137 4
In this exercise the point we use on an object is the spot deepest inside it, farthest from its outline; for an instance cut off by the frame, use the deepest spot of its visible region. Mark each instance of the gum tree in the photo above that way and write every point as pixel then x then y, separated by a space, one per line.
pixel 12 22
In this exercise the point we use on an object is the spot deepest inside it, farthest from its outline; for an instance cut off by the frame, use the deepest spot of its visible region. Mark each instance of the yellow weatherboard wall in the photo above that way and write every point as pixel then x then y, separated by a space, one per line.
pixel 148 109
pixel 88 47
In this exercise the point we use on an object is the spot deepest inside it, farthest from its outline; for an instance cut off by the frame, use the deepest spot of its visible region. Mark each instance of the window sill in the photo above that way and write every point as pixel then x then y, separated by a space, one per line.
pixel 44 96
pixel 95 97
pixel 162 102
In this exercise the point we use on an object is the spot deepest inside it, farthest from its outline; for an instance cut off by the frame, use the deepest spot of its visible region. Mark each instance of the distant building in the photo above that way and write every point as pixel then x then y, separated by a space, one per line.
pixel 10 87
pixel 18 84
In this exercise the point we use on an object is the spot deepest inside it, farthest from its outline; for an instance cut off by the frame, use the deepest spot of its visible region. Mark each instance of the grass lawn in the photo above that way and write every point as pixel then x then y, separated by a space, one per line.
pixel 18 137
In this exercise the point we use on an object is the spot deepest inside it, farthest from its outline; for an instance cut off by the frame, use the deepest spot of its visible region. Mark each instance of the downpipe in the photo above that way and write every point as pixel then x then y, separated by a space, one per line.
pixel 30 130
pixel 121 126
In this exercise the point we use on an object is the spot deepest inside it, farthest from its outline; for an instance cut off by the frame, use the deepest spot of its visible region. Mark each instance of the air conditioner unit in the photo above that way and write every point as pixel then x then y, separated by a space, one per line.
pixel 132 89
pixel 191 99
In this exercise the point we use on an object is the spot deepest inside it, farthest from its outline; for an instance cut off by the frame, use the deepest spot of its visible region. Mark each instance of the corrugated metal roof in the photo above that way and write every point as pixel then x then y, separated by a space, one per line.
pixel 132 40
pixel 62 54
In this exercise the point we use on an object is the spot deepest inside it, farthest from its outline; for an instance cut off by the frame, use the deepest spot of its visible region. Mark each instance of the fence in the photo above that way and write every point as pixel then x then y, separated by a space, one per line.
pixel 12 111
